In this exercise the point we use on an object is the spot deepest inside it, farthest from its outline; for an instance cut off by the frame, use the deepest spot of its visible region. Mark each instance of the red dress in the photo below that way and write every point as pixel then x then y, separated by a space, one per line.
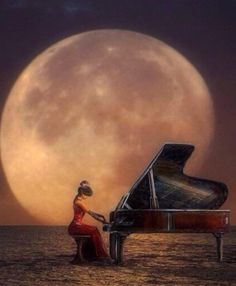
pixel 77 227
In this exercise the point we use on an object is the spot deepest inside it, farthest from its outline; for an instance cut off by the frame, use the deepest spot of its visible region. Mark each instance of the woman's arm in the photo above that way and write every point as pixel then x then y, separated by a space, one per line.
pixel 96 216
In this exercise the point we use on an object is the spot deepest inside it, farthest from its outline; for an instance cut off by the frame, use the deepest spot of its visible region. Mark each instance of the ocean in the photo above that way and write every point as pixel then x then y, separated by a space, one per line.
pixel 41 255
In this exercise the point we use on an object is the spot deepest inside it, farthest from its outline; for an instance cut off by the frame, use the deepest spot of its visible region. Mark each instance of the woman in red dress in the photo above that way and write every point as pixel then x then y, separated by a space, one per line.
pixel 77 227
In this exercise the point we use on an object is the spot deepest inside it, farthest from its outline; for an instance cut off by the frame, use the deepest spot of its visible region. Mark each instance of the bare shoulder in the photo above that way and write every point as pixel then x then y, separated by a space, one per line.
pixel 77 200
pixel 80 203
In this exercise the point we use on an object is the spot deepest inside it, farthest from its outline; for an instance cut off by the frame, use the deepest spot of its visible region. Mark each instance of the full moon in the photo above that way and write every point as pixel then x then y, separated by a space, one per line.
pixel 98 106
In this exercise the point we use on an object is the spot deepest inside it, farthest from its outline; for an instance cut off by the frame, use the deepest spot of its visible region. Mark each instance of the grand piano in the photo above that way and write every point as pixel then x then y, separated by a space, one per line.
pixel 164 199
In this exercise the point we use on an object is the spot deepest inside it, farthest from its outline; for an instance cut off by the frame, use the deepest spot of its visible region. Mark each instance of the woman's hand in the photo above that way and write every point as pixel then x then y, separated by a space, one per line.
pixel 98 217
pixel 103 219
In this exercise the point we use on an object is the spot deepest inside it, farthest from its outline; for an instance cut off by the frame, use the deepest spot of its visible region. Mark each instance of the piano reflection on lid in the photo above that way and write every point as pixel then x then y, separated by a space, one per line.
pixel 164 199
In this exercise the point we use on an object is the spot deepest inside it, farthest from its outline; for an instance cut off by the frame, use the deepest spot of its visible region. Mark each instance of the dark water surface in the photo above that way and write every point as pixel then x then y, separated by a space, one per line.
pixel 35 255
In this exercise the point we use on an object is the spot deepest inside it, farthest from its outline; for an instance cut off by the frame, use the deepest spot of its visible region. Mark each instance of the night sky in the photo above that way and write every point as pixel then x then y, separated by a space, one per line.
pixel 203 31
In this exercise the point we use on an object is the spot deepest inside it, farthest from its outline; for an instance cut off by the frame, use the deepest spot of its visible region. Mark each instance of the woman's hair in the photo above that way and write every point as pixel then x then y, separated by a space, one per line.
pixel 84 182
pixel 85 189
pixel 80 191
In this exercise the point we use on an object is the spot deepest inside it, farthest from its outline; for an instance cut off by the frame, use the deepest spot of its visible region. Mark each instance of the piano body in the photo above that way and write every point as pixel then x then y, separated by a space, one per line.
pixel 164 199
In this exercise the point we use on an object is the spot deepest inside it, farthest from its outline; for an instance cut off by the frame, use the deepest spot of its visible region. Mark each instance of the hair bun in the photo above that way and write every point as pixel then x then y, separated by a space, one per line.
pixel 84 182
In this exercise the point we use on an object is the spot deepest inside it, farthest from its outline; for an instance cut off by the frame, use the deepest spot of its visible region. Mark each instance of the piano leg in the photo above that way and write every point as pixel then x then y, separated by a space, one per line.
pixel 116 246
pixel 219 243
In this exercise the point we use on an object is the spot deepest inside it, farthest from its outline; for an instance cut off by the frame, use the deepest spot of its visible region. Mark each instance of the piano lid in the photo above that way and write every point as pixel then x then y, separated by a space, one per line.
pixel 164 185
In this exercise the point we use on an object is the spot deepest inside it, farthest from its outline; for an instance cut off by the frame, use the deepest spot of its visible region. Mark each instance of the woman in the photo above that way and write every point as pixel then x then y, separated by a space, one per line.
pixel 77 227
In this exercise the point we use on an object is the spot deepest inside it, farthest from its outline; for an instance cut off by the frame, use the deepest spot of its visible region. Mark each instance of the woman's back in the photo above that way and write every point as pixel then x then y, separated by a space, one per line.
pixel 78 213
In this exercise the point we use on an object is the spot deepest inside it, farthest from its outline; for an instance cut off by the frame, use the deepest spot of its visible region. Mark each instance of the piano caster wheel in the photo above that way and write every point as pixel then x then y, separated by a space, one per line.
pixel 116 247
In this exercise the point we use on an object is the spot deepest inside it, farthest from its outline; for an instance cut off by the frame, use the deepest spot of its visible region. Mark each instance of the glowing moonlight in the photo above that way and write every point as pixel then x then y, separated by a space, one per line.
pixel 97 106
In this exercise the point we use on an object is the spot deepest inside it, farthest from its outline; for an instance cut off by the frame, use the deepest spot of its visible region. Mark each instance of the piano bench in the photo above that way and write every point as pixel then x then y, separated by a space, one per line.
pixel 85 249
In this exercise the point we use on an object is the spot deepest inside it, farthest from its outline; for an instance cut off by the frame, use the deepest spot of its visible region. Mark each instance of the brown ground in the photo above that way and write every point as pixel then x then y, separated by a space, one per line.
pixel 41 257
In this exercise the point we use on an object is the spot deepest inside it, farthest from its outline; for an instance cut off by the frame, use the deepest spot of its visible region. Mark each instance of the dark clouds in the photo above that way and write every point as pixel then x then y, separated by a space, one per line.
pixel 50 7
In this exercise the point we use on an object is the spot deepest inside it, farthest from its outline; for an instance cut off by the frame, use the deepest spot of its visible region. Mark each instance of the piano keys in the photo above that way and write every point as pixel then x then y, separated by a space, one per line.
pixel 164 199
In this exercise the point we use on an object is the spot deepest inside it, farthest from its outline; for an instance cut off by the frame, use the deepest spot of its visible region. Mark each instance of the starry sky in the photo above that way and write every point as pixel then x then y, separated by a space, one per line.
pixel 203 31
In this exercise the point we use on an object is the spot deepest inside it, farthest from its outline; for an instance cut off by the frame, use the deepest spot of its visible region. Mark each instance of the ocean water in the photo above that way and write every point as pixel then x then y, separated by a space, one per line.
pixel 35 255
